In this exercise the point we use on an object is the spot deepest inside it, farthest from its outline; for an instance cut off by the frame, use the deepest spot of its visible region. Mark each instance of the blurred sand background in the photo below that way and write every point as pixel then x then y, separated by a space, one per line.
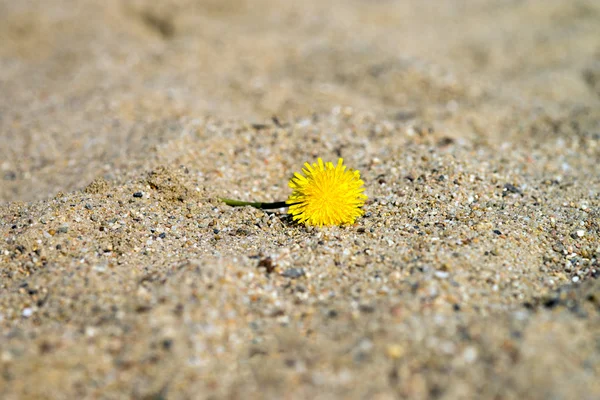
pixel 475 125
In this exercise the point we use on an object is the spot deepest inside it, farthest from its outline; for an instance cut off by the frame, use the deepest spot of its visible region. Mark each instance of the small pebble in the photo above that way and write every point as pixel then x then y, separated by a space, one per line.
pixel 138 194
pixel 509 187
pixel 441 274
pixel 294 273
pixel 395 351
pixel 470 354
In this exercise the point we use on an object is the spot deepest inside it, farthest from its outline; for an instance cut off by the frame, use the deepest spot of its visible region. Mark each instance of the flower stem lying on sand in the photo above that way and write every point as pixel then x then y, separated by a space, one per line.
pixel 262 206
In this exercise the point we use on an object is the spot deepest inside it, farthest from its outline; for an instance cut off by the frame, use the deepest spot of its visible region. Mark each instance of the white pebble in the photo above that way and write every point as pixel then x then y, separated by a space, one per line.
pixel 27 312
pixel 441 274
pixel 470 354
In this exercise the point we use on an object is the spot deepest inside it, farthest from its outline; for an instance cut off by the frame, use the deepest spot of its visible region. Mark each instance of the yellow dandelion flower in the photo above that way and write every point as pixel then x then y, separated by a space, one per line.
pixel 326 194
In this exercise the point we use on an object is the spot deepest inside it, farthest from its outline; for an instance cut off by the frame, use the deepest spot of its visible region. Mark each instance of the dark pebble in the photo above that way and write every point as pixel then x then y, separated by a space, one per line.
pixel 215 231
pixel 558 247
pixel 267 264
pixel 242 232
pixel 162 235
pixel 290 362
pixel 509 187
pixel 88 206
pixel 516 335
pixel 294 273
pixel 260 127
pixel 497 232
pixel 366 308
pixel 10 176
pixel 551 302
pixel 138 194
pixel 404 115
pixel 445 141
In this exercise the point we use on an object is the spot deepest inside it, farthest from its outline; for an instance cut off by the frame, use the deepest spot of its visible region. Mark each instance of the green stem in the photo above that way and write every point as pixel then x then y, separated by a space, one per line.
pixel 262 206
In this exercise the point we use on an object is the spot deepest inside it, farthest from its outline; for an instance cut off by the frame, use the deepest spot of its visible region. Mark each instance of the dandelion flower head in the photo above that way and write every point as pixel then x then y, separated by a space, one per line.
pixel 326 194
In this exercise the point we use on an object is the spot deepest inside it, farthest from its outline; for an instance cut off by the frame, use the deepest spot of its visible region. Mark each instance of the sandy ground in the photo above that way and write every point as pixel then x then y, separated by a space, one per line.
pixel 475 125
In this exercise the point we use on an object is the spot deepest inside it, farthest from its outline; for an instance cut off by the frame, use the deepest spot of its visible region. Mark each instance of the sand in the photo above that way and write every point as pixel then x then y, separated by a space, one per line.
pixel 473 274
